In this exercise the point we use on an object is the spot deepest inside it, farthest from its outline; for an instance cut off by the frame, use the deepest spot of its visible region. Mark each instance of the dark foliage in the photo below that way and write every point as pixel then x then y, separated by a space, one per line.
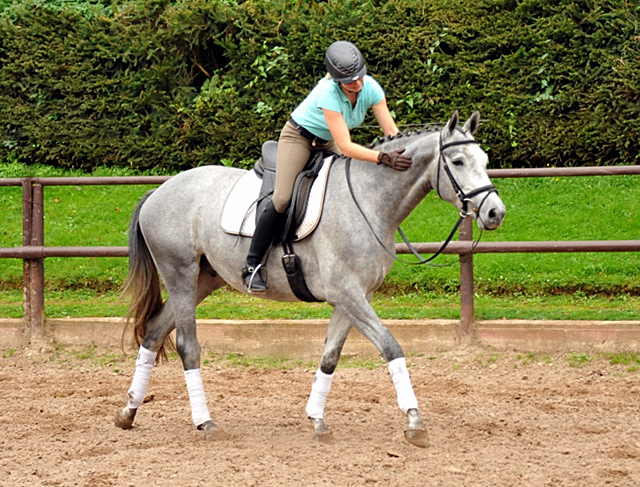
pixel 175 84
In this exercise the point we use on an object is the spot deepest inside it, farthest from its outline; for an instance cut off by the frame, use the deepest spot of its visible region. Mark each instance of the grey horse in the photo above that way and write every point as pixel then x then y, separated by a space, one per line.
pixel 175 231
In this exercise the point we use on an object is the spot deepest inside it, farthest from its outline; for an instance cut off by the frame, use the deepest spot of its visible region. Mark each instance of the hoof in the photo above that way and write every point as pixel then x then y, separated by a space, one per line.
pixel 125 417
pixel 416 433
pixel 417 437
pixel 213 432
pixel 322 433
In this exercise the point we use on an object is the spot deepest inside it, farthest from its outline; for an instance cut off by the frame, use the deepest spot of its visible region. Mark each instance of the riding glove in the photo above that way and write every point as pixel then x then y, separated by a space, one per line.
pixel 395 160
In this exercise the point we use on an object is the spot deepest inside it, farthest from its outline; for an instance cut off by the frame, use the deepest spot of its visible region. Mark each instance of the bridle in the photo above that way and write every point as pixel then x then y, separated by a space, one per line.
pixel 465 199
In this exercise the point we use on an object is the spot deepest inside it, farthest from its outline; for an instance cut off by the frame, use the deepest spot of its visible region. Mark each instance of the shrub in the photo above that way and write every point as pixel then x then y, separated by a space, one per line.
pixel 172 85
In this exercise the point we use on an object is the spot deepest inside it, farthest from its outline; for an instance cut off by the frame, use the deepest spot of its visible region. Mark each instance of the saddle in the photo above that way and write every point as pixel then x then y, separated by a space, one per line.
pixel 265 169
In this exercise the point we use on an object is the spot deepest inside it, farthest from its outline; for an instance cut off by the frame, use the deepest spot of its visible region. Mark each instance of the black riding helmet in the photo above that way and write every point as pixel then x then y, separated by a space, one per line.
pixel 344 62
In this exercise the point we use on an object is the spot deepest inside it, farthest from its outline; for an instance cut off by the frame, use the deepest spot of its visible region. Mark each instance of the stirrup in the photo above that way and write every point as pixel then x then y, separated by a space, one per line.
pixel 255 283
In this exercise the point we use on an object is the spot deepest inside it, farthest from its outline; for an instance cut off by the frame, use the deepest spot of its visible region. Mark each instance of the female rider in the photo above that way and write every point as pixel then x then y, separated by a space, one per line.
pixel 322 122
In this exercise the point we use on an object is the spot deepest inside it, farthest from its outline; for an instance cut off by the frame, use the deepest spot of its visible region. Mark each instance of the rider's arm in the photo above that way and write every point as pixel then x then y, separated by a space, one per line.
pixel 342 138
pixel 384 118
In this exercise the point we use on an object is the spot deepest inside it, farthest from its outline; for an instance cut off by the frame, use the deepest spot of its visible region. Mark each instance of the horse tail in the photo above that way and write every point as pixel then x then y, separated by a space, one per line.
pixel 142 283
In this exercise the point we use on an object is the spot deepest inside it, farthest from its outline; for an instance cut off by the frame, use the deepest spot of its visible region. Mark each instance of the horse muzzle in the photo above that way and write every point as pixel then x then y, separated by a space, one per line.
pixel 490 213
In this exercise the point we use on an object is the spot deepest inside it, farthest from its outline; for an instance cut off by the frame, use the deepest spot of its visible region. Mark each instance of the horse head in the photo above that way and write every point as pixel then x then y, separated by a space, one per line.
pixel 459 175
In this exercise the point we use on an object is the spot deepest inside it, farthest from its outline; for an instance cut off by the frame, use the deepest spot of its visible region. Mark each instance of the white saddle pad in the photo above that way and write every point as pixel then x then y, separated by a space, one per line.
pixel 239 212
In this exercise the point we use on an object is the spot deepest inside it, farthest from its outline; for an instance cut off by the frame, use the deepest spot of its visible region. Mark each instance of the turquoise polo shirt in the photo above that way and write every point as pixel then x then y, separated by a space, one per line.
pixel 328 94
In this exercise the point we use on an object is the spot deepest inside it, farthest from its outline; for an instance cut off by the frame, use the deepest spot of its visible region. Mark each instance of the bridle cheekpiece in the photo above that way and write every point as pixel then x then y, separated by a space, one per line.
pixel 465 198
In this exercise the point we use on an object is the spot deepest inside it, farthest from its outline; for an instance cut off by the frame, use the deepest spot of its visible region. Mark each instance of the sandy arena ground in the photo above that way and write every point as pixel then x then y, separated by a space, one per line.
pixel 495 419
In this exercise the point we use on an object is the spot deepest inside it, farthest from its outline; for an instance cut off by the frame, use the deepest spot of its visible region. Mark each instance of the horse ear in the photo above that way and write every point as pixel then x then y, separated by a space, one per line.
pixel 451 125
pixel 472 124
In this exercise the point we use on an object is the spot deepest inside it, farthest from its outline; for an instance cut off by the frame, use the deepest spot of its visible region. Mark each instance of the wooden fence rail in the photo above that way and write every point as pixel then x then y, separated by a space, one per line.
pixel 33 250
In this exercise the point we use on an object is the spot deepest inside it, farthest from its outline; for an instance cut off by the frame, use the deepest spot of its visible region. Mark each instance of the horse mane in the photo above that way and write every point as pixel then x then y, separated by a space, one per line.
pixel 381 140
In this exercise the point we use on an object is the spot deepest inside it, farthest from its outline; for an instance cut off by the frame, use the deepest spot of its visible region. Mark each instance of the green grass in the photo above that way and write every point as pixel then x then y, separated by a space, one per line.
pixel 576 359
pixel 630 359
pixel 603 286
pixel 9 353
pixel 238 360
pixel 228 304
pixel 576 208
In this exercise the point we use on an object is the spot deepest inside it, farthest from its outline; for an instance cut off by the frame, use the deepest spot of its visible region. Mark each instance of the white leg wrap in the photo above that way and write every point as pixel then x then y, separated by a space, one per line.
pixel 400 376
pixel 319 392
pixel 144 366
pixel 199 410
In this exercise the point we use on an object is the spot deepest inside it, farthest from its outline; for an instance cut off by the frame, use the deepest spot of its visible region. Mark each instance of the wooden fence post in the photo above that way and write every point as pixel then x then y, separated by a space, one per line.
pixel 27 198
pixel 466 281
pixel 33 268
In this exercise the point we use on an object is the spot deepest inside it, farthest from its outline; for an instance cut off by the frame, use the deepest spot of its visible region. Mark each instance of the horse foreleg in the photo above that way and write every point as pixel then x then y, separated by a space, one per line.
pixel 416 432
pixel 336 335
pixel 367 322
pixel 315 406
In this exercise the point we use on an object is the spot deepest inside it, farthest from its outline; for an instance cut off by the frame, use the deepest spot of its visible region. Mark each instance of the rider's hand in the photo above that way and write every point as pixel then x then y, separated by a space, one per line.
pixel 395 160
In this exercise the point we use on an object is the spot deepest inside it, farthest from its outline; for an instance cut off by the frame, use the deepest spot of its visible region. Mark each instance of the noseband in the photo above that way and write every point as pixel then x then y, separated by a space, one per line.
pixel 465 198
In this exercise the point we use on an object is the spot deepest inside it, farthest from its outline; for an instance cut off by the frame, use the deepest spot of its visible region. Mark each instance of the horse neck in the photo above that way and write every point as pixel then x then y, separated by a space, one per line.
pixel 394 195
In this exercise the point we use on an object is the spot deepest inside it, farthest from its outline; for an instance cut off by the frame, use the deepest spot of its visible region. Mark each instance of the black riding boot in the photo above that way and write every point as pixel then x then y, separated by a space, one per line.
pixel 268 225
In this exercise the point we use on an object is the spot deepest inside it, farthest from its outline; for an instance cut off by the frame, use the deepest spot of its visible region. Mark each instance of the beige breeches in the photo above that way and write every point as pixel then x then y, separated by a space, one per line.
pixel 293 153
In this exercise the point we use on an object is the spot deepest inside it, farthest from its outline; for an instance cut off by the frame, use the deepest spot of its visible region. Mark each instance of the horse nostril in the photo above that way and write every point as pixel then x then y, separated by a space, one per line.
pixel 492 214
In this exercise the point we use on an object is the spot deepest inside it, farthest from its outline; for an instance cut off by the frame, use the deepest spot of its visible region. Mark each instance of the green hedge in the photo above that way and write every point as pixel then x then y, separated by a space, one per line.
pixel 172 85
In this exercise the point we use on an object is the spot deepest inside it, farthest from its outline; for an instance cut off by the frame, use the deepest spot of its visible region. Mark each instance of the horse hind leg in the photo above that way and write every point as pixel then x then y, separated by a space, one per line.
pixel 209 281
pixel 138 389
pixel 315 407
pixel 156 331
pixel 199 410
pixel 189 350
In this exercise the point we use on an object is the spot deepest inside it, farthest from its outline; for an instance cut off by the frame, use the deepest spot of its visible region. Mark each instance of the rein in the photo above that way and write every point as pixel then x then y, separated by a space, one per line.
pixel 464 198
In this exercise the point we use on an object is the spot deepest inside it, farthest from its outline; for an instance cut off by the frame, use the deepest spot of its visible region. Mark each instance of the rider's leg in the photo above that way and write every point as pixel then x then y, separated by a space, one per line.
pixel 293 153
pixel 268 224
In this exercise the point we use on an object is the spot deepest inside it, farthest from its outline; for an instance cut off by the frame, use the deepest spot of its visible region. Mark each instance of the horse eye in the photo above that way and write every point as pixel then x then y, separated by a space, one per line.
pixel 458 162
